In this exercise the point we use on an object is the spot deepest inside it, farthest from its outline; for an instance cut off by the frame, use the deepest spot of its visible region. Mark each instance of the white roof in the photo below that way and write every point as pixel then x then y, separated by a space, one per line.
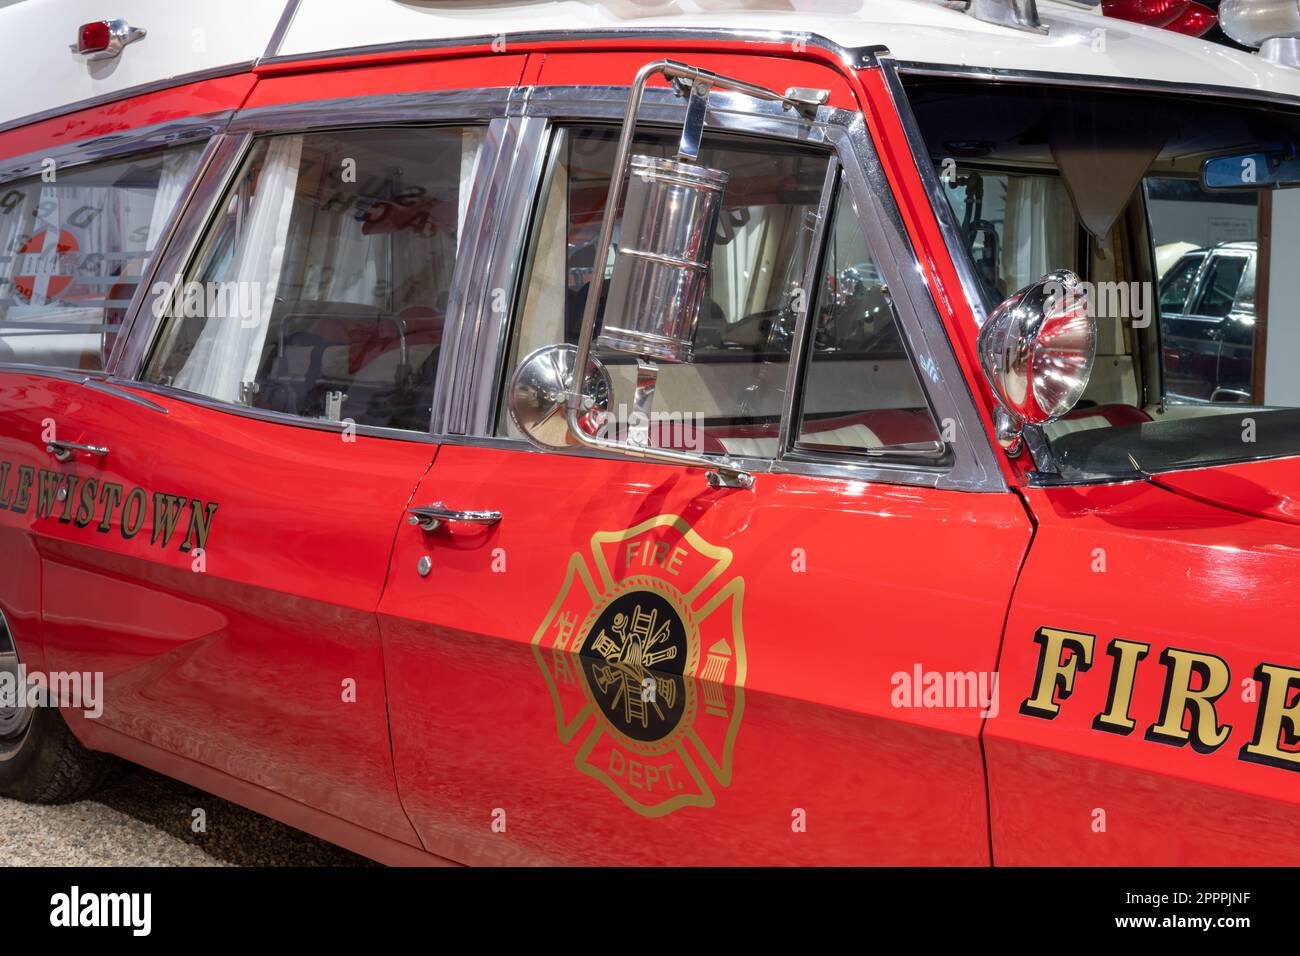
pixel 927 31
pixel 39 73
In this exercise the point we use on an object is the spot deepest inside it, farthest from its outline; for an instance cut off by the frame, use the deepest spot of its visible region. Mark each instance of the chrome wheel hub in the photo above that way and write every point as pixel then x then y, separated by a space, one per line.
pixel 13 718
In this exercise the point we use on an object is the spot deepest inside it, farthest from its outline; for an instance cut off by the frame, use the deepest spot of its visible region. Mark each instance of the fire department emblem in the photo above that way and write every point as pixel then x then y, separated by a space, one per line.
pixel 644 657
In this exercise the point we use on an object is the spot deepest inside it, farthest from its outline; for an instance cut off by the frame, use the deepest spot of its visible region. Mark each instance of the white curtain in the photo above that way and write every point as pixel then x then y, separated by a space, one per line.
pixel 1040 232
pixel 731 277
pixel 341 263
pixel 178 167
pixel 229 348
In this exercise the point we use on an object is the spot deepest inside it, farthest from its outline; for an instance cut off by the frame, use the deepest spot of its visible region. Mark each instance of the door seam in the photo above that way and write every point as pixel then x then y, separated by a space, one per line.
pixel 997 664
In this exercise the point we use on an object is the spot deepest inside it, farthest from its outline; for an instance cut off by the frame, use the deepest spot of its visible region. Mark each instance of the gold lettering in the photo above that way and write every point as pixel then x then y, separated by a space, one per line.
pixel 1056 673
pixel 1206 735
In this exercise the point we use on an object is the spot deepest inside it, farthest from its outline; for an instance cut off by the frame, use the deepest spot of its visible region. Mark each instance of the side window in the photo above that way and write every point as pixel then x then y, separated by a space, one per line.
pixel 1177 283
pixel 73 246
pixel 1219 289
pixel 321 287
pixel 861 390
pixel 733 390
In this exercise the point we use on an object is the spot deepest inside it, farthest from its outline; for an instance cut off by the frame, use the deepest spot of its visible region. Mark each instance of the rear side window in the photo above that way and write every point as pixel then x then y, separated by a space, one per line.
pixel 74 244
pixel 321 289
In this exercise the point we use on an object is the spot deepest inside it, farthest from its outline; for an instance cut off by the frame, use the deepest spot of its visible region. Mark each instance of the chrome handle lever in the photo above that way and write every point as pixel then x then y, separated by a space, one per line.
pixel 64 451
pixel 432 517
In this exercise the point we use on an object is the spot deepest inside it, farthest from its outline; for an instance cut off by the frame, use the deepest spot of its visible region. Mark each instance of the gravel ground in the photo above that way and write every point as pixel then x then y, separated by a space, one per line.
pixel 144 820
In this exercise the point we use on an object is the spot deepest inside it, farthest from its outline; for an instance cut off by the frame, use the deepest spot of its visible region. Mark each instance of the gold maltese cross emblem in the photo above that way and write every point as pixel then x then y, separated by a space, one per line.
pixel 644 657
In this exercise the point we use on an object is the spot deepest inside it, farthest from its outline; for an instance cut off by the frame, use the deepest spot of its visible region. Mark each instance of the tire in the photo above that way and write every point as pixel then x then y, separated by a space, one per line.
pixel 46 764
pixel 40 760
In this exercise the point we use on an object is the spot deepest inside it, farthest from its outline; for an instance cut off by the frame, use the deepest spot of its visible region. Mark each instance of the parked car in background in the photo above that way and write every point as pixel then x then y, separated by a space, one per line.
pixel 1207 324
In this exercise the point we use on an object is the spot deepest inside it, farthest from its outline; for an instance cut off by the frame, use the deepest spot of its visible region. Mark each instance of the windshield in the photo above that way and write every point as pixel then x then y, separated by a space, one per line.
pixel 1192 289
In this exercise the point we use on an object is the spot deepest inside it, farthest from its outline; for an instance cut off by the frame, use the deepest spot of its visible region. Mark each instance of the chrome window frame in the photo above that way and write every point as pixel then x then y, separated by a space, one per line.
pixel 486 108
pixel 185 132
pixel 972 467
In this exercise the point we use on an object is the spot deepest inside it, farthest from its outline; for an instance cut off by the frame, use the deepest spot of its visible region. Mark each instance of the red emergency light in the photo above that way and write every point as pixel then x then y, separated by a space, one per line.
pixel 1180 16
pixel 102 39
pixel 93 37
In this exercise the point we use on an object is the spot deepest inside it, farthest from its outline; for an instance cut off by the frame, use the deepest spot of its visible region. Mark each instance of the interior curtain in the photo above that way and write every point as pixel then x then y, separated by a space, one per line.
pixel 1039 232
pixel 174 177
pixel 733 266
pixel 229 348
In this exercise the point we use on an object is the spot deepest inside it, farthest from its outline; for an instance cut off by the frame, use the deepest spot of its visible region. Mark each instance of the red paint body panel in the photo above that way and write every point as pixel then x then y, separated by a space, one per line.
pixel 1178 573
pixel 475 726
pixel 291 812
pixel 239 666
pixel 448 73
pixel 178 102
pixel 1265 489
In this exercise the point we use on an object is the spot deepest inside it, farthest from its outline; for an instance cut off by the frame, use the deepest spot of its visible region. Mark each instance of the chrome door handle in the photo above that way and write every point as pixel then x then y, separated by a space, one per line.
pixel 64 451
pixel 432 517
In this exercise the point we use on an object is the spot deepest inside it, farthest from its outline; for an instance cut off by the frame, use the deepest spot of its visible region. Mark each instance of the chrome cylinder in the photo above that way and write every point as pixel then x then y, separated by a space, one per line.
pixel 662 266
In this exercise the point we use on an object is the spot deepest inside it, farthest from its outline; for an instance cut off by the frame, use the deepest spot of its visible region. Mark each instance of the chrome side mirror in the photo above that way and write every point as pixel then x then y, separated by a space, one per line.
pixel 1036 351
pixel 657 287
pixel 539 393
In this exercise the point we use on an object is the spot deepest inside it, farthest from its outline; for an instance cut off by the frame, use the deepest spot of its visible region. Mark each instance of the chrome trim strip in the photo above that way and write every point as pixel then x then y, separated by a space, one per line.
pixel 844 467
pixel 483 327
pixel 281 28
pixel 468 291
pixel 129 92
pixel 277 418
pixel 790 403
pixel 1133 84
pixel 934 191
pixel 664 106
pixel 79 376
pixel 97 148
pixel 852 57
pixel 110 386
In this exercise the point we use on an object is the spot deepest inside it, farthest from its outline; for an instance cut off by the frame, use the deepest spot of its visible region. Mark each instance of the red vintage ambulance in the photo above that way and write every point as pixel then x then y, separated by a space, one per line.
pixel 903 467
